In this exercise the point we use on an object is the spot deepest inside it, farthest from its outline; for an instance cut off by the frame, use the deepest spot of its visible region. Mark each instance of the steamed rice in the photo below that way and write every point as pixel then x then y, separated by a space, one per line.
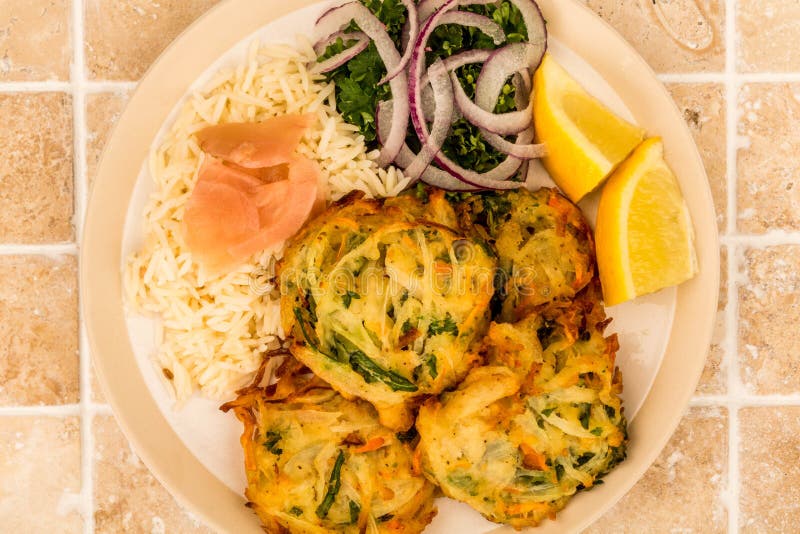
pixel 213 331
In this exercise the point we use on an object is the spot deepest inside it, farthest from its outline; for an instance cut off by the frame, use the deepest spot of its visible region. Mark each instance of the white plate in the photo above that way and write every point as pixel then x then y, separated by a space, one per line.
pixel 207 439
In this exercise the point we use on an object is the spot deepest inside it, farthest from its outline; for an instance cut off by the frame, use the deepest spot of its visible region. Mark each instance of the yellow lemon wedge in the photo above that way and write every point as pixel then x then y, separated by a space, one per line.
pixel 585 141
pixel 644 235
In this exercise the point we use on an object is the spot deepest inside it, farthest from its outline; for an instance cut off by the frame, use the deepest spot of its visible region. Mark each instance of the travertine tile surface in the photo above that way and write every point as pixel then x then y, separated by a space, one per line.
pixel 40 475
pixel 34 40
pixel 638 22
pixel 768 36
pixel 769 142
pixel 683 490
pixel 36 181
pixel 714 378
pixel 769 312
pixel 127 497
pixel 123 37
pixel 769 471
pixel 102 112
pixel 703 108
pixel 39 330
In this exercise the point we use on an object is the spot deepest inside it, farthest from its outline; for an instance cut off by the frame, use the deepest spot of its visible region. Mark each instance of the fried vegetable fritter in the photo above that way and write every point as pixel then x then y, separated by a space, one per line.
pixel 541 421
pixel 544 244
pixel 318 463
pixel 383 300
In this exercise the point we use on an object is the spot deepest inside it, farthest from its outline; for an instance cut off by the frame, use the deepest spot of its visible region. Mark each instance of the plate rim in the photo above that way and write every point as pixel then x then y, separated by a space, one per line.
pixel 175 70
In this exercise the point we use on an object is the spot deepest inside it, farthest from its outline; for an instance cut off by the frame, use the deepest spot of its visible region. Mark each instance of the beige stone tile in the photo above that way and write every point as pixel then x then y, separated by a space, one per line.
pixel 39 330
pixel 40 475
pixel 97 392
pixel 768 39
pixel 123 37
pixel 714 379
pixel 638 22
pixel 36 203
pixel 769 312
pixel 768 469
pixel 703 108
pixel 768 193
pixel 102 113
pixel 34 40
pixel 127 497
pixel 682 491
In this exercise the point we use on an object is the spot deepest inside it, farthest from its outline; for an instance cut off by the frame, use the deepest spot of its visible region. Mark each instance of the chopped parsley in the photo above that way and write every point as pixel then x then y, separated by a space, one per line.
pixel 430 363
pixel 272 438
pixel 407 436
pixel 334 484
pixel 358 93
pixel 355 510
pixel 348 297
pixel 443 326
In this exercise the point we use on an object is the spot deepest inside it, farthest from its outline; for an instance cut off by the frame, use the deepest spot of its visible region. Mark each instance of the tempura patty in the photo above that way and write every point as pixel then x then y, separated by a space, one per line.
pixel 544 245
pixel 542 420
pixel 383 300
pixel 318 463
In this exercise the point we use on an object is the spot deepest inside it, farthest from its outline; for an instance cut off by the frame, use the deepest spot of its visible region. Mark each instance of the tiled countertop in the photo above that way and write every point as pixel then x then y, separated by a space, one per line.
pixel 66 70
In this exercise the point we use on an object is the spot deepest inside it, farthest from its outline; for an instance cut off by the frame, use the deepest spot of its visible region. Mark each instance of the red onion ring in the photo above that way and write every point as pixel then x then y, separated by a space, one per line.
pixel 332 21
pixel 426 8
pixel 334 62
pixel 509 123
pixel 442 120
pixel 412 25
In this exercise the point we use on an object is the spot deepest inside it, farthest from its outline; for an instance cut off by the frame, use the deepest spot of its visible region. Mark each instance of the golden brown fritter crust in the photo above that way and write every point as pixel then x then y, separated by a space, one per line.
pixel 318 463
pixel 541 421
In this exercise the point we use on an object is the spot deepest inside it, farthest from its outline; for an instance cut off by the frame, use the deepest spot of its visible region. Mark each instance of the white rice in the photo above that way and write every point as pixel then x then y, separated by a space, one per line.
pixel 213 331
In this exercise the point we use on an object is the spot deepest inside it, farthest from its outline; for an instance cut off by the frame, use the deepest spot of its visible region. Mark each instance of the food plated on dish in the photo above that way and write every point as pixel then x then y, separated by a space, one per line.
pixel 417 302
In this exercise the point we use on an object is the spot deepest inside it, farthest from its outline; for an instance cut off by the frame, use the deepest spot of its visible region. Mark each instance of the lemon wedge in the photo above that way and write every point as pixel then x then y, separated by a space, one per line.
pixel 585 141
pixel 644 235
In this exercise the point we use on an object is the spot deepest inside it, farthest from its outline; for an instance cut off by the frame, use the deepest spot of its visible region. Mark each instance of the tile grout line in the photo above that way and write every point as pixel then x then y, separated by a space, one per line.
pixel 732 246
pixel 51 86
pixel 52 410
pixel 58 410
pixel 109 86
pixel 48 249
pixel 768 239
pixel 78 81
pixel 723 77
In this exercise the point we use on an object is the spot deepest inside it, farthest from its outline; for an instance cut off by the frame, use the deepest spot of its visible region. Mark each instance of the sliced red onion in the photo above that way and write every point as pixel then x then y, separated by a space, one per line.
pixel 477 55
pixel 333 21
pixel 320 46
pixel 503 63
pixel 432 175
pixel 497 178
pixel 439 178
pixel 498 123
pixel 473 20
pixel 451 63
pixel 334 62
pixel 442 120
pixel 534 24
pixel 412 25
pixel 521 151
pixel 417 68
pixel 426 8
